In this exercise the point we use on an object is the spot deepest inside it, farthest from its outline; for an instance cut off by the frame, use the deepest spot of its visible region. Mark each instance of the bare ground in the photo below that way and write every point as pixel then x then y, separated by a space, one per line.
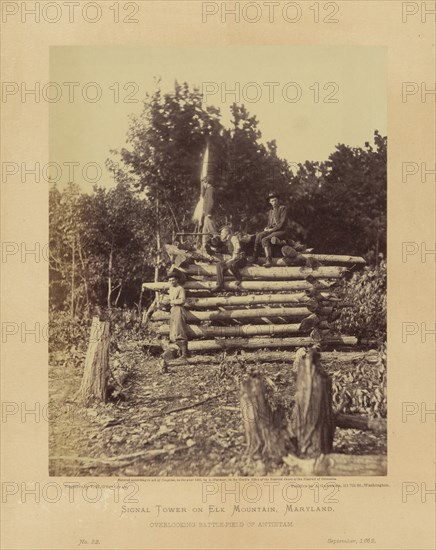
pixel 186 422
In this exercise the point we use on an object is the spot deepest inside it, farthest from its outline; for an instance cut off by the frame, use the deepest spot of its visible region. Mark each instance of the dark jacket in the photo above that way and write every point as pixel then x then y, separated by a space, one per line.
pixel 209 201
pixel 278 218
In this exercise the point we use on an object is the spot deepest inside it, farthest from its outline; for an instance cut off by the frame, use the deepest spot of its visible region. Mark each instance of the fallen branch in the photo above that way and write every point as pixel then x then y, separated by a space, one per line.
pixel 186 407
pixel 377 425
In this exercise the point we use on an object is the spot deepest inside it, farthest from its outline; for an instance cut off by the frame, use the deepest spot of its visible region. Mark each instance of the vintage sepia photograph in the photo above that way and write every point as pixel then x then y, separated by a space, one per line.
pixel 217 261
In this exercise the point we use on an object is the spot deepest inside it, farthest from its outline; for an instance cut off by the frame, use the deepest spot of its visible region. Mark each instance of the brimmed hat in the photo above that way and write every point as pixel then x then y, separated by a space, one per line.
pixel 273 195
pixel 176 274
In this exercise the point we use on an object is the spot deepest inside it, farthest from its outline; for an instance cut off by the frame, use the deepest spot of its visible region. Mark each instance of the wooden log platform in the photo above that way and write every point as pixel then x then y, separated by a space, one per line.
pixel 282 296
pixel 276 273
pixel 231 314
pixel 253 343
pixel 195 331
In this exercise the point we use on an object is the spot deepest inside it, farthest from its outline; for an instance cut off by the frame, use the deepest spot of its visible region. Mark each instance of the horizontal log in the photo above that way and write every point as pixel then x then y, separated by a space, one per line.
pixel 274 356
pixel 323 258
pixel 280 273
pixel 252 343
pixel 299 298
pixel 230 314
pixel 378 425
pixel 268 286
pixel 330 259
pixel 294 299
pixel 195 331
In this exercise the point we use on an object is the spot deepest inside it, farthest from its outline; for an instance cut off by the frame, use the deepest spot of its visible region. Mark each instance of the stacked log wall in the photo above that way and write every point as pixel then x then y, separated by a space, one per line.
pixel 271 308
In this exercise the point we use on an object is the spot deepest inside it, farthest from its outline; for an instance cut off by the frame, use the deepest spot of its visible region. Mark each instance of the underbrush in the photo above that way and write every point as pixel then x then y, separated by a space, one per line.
pixel 69 336
pixel 366 290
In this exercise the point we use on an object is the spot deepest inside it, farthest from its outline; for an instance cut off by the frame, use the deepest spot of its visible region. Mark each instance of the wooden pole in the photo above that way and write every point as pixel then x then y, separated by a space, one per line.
pixel 322 258
pixel 294 299
pixel 96 372
pixel 253 343
pixel 195 331
pixel 280 273
pixel 232 314
pixel 158 245
pixel 250 299
pixel 230 285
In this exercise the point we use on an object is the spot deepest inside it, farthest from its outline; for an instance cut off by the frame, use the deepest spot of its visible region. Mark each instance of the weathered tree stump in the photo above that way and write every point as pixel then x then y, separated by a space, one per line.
pixel 96 373
pixel 312 419
pixel 266 430
pixel 305 444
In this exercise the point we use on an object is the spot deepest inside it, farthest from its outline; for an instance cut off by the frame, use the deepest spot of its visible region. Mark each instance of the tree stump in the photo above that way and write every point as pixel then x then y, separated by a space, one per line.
pixel 96 373
pixel 266 430
pixel 312 420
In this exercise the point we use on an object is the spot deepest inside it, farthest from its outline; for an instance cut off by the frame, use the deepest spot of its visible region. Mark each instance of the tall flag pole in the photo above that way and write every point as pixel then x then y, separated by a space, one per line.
pixel 198 212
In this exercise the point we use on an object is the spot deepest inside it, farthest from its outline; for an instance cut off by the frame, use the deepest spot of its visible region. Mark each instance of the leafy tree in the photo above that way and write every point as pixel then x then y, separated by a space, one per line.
pixel 342 202
pixel 99 246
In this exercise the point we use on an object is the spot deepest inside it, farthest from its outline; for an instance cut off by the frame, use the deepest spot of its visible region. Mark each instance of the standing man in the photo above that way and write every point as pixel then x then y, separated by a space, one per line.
pixel 209 226
pixel 237 261
pixel 277 227
pixel 177 297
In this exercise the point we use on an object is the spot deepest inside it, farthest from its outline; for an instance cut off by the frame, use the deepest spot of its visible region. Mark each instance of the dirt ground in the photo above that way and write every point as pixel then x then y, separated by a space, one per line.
pixel 186 422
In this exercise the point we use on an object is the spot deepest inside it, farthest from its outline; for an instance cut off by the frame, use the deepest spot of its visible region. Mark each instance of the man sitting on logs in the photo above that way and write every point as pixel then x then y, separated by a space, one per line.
pixel 237 261
pixel 275 231
pixel 177 297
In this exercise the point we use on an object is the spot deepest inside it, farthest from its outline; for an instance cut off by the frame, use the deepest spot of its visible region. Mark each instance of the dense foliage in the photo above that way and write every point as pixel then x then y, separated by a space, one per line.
pixel 99 247
pixel 367 291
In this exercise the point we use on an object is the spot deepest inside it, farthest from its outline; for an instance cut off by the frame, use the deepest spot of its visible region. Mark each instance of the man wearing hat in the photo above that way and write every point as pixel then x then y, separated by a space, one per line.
pixel 237 261
pixel 277 227
pixel 177 297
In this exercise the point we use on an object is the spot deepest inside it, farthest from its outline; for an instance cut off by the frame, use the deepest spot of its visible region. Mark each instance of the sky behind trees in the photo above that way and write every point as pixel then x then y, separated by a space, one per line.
pixel 341 101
